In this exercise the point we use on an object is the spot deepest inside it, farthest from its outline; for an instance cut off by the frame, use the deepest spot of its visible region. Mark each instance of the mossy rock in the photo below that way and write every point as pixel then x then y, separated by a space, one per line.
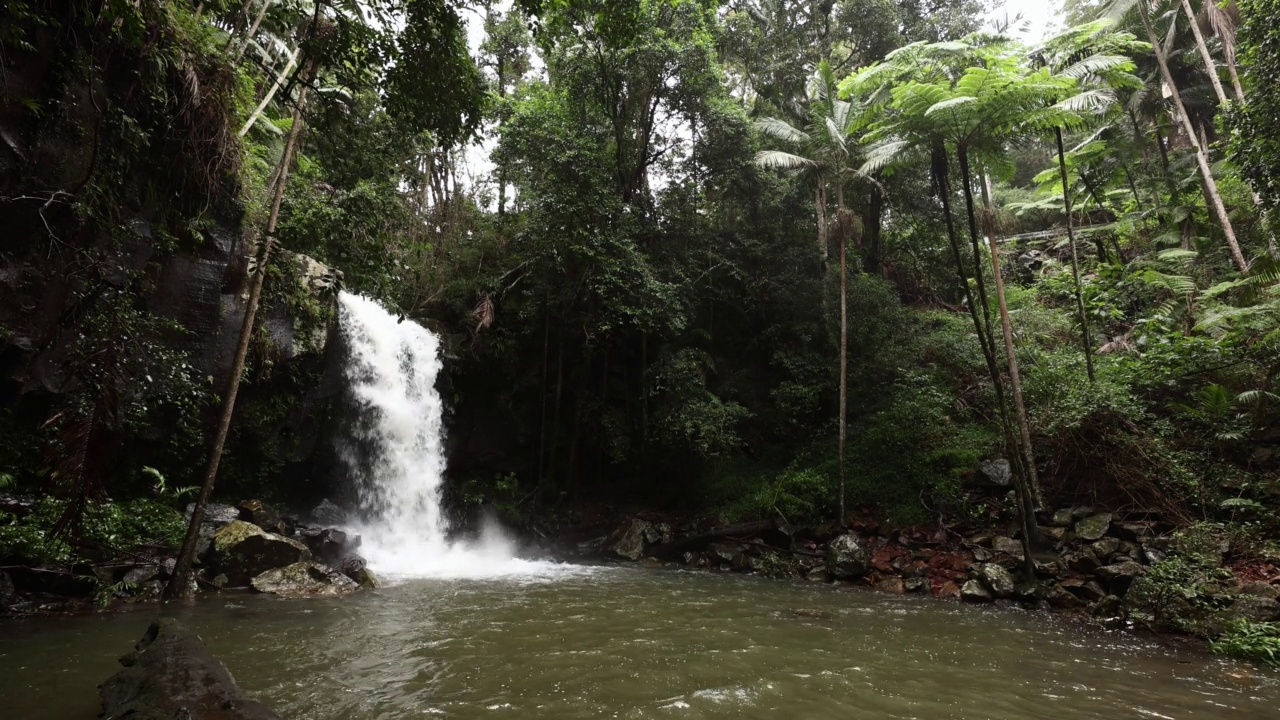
pixel 242 551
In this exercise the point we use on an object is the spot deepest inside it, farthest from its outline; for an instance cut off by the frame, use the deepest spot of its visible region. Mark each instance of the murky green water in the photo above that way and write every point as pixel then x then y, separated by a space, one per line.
pixel 643 643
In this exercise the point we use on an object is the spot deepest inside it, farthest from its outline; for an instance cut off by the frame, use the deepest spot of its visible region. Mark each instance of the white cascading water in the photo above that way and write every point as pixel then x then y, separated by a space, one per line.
pixel 397 453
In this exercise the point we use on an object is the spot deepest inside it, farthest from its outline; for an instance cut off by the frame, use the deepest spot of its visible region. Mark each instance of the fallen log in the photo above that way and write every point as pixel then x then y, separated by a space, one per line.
pixel 739 532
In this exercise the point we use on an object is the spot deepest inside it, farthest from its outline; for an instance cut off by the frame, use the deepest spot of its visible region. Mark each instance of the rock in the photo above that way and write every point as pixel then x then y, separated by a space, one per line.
pixel 262 515
pixel 329 513
pixel 947 589
pixel 1080 513
pixel 1120 576
pixel 171 674
pixel 1108 607
pixel 628 541
pixel 658 533
pixel 1056 534
pixel 1152 555
pixel 304 579
pixel 352 565
pixel 1083 561
pixel 818 574
pixel 328 544
pixel 1062 518
pixel 996 579
pixel 725 553
pixel 139 575
pixel 216 514
pixel 974 592
pixel 8 593
pixel 981 554
pixel 243 551
pixel 692 558
pixel 169 565
pixel 1256 608
pixel 1135 531
pixel 1062 598
pixel 1086 590
pixel 847 557
pixel 1093 527
pixel 997 472
pixel 916 585
pixel 892 585
pixel 1007 546
pixel 1104 549
pixel 1260 589
pixel 365 578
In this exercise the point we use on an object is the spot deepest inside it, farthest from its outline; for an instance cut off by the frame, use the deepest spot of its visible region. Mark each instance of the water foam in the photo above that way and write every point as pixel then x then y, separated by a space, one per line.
pixel 396 454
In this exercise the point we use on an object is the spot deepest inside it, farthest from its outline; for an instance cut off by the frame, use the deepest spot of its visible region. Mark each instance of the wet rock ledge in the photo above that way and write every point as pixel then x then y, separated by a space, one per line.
pixel 171 674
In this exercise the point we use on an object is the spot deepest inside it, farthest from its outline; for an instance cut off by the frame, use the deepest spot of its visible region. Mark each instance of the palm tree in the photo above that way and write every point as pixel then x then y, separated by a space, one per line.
pixel 1202 155
pixel 828 148
pixel 965 97
pixel 1089 53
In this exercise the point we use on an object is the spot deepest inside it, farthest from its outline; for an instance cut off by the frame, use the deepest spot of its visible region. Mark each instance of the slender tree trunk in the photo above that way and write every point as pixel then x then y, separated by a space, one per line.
pixel 872 229
pixel 962 154
pixel 841 222
pixel 821 202
pixel 1202 158
pixel 1075 260
pixel 180 581
pixel 275 87
pixel 1209 65
pixel 1006 327
pixel 253 29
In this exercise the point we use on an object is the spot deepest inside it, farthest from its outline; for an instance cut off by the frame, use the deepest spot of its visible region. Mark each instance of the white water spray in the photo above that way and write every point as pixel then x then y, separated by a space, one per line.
pixel 397 453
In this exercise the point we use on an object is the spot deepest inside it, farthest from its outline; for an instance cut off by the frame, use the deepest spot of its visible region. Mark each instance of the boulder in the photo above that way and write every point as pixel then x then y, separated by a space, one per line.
pixel 1093 527
pixel 1086 590
pixel 242 551
pixel 997 472
pixel 916 585
pixel 171 674
pixel 1120 576
pixel 947 589
pixel 1105 548
pixel 1152 555
pixel 1083 561
pixel 725 553
pixel 1108 607
pixel 996 579
pixel 304 579
pixel 329 513
pixel 8 593
pixel 818 574
pixel 1054 533
pixel 328 544
pixel 1062 518
pixel 1061 598
pixel 1007 546
pixel 1261 589
pixel 216 514
pixel 847 557
pixel 628 541
pixel 974 592
pixel 1135 531
pixel 139 575
pixel 1256 608
pixel 262 515
pixel 658 533
pixel 893 585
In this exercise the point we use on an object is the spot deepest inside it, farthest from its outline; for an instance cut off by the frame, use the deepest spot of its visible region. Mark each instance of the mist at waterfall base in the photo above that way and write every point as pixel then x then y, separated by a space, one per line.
pixel 395 453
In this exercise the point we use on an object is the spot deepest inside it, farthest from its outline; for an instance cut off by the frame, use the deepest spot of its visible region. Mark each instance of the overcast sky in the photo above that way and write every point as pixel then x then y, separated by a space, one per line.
pixel 1041 14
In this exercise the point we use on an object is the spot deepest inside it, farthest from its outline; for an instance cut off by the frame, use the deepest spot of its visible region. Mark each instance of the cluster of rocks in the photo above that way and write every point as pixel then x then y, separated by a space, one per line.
pixel 1084 561
pixel 253 546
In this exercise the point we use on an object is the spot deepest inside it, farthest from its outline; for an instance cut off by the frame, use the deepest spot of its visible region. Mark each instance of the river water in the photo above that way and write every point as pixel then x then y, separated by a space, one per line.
pixel 636 642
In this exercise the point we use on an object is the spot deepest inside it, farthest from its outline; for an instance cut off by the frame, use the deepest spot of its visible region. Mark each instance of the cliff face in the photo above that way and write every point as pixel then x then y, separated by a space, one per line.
pixel 123 259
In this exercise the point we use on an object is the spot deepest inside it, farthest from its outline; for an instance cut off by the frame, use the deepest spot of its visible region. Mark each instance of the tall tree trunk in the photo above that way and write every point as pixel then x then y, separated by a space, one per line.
pixel 962 154
pixel 820 199
pixel 1209 65
pixel 1202 157
pixel 841 221
pixel 275 87
pixel 941 173
pixel 180 581
pixel 1075 260
pixel 872 227
pixel 1011 357
pixel 253 29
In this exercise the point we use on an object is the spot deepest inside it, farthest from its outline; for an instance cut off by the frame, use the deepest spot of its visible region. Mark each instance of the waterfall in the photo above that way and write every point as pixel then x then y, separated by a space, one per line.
pixel 395 452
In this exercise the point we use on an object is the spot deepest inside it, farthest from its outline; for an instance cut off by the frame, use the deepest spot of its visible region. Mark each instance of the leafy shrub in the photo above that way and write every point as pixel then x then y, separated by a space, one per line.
pixel 105 528
pixel 1248 640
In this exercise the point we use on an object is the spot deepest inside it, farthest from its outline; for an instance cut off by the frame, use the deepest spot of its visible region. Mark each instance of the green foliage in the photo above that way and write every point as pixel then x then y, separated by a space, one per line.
pixel 1249 640
pixel 1187 591
pixel 1255 138
pixel 107 528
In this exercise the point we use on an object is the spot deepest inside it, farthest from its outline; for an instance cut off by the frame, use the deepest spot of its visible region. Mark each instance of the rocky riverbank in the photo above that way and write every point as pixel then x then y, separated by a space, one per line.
pixel 1117 570
pixel 248 547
